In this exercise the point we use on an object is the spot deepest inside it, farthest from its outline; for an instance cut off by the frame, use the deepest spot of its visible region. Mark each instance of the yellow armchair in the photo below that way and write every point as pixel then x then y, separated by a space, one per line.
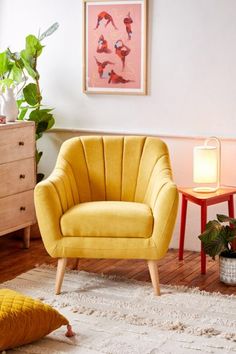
pixel 108 197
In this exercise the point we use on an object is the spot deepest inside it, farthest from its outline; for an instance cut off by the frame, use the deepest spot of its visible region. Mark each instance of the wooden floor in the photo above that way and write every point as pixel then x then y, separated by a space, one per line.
pixel 15 260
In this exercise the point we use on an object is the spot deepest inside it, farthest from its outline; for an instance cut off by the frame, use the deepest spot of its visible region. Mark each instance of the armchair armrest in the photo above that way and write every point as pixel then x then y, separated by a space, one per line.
pixel 162 196
pixel 164 213
pixel 53 197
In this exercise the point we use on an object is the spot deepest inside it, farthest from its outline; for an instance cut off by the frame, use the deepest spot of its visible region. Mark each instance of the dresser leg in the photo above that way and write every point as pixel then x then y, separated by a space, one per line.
pixel 26 237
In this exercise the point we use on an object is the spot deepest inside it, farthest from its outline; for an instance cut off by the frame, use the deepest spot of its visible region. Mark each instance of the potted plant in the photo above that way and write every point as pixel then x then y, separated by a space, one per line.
pixel 19 70
pixel 219 239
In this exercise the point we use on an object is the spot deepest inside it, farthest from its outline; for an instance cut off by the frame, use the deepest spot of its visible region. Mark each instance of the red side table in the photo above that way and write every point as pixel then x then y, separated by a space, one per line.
pixel 204 200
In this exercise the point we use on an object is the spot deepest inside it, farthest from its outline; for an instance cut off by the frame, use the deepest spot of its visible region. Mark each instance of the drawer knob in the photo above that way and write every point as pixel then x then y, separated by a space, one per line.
pixel 22 176
pixel 22 208
pixel 21 143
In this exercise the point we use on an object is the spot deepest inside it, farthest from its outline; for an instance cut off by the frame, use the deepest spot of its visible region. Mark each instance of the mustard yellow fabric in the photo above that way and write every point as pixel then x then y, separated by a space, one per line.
pixel 24 320
pixel 109 168
pixel 108 219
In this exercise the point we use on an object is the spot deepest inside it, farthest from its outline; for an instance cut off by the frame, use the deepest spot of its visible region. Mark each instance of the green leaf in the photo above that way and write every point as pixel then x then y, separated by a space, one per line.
pixel 224 218
pixel 47 110
pixel 29 63
pixel 41 126
pixel 21 105
pixel 39 115
pixel 216 238
pixel 51 123
pixel 31 94
pixel 49 31
pixel 38 135
pixel 43 120
pixel 16 74
pixel 15 57
pixel 19 102
pixel 23 112
pixel 35 115
pixel 33 49
pixel 6 82
pixel 33 46
pixel 3 63
pixel 38 156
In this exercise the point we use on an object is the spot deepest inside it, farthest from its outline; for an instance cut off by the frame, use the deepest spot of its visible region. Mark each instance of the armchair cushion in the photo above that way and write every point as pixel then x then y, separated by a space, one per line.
pixel 108 219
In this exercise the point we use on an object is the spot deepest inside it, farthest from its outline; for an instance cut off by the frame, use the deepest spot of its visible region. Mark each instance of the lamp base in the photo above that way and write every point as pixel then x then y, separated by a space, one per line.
pixel 205 189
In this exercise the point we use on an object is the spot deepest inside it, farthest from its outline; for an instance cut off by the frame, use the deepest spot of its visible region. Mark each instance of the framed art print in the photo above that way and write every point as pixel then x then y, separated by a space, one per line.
pixel 115 46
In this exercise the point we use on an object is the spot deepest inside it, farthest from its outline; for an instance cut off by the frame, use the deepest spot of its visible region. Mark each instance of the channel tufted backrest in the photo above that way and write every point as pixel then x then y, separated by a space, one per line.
pixel 112 168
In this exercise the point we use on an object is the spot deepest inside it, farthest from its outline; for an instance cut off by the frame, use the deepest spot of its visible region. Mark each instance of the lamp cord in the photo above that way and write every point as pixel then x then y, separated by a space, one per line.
pixel 226 185
pixel 218 143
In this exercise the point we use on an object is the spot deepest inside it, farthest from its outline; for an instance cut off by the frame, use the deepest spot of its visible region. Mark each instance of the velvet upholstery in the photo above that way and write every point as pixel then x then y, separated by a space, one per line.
pixel 108 219
pixel 24 320
pixel 108 197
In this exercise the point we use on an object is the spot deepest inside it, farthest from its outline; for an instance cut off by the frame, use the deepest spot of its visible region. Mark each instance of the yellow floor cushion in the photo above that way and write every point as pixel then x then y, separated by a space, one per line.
pixel 108 219
pixel 24 320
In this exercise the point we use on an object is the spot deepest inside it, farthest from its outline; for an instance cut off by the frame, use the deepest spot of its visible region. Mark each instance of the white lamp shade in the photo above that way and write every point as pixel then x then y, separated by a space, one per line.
pixel 205 164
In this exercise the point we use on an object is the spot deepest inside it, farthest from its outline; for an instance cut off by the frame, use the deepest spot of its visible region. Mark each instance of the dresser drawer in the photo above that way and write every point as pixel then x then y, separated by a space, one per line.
pixel 17 209
pixel 17 176
pixel 17 143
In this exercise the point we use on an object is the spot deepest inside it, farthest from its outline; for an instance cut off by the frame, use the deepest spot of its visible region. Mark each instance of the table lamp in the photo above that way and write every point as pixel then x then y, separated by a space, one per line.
pixel 206 166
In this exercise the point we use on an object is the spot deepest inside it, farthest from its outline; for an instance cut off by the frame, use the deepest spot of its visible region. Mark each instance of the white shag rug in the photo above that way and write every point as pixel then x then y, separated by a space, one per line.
pixel 118 316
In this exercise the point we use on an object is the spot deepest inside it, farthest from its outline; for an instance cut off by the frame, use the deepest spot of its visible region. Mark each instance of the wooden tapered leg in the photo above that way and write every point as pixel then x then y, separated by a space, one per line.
pixel 153 270
pixel 61 267
pixel 74 264
pixel 26 237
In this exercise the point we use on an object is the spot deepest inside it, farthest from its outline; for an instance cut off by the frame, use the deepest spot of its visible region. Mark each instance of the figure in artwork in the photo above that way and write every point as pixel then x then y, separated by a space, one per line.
pixel 128 21
pixel 107 17
pixel 103 45
pixel 122 51
pixel 116 79
pixel 101 66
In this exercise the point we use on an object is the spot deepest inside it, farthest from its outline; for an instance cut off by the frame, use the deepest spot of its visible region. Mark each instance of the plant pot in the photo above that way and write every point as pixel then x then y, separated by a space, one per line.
pixel 228 269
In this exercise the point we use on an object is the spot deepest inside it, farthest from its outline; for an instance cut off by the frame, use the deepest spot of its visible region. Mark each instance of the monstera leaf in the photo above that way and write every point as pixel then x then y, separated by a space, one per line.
pixel 224 218
pixel 217 238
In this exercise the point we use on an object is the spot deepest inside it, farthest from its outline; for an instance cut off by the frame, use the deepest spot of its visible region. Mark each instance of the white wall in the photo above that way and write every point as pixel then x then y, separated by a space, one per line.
pixel 192 76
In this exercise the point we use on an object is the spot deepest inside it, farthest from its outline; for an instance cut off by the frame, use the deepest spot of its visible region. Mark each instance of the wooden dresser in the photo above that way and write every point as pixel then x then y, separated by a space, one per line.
pixel 17 177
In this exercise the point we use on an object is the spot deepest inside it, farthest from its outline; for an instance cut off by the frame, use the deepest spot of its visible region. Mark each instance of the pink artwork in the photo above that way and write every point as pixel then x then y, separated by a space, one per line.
pixel 115 46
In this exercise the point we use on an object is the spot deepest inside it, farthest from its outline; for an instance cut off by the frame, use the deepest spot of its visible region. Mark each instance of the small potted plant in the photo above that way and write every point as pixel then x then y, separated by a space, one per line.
pixel 219 239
